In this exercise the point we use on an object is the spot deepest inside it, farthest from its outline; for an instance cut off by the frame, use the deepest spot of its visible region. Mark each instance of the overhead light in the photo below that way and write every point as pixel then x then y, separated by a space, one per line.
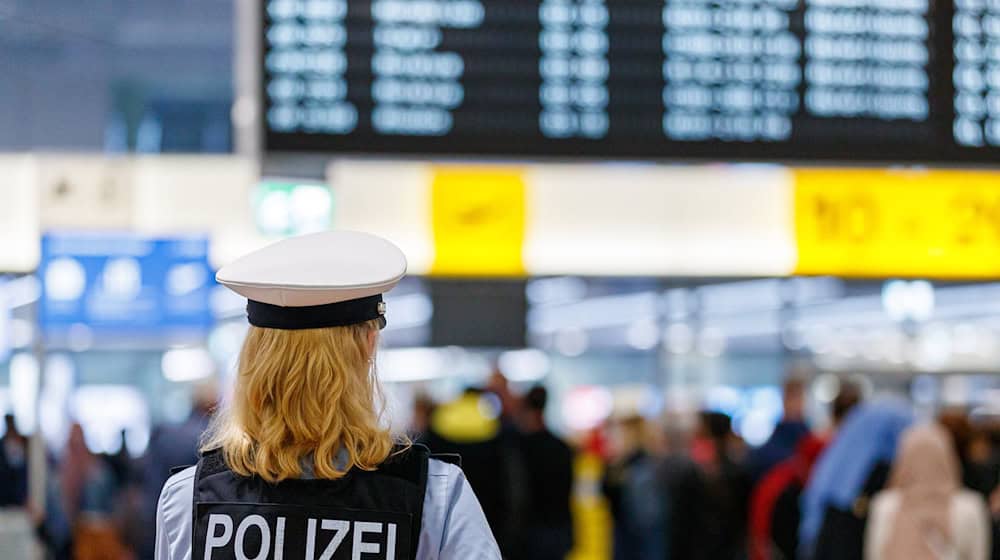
pixel 571 342
pixel 587 407
pixel 403 365
pixel 410 310
pixel 24 386
pixel 757 425
pixel 524 365
pixel 65 279
pixel 182 365
pixel 103 425
pixel 903 300
pixel 643 334
pixel 183 279
pixel 724 398
pixel 826 387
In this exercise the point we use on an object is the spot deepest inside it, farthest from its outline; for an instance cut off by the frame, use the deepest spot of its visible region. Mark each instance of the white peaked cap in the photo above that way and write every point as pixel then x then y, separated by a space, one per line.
pixel 319 269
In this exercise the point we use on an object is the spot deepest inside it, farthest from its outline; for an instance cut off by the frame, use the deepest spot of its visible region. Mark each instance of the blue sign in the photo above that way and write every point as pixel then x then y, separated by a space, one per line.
pixel 125 282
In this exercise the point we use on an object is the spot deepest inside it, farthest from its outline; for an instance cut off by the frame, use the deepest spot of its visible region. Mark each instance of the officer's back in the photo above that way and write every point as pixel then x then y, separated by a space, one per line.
pixel 298 464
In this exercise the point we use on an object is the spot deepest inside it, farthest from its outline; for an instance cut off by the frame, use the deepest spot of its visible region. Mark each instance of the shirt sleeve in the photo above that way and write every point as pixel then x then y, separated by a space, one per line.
pixel 162 546
pixel 173 517
pixel 453 515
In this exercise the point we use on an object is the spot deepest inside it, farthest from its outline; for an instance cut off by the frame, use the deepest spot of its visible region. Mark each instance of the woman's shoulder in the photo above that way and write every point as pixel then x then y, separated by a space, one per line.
pixel 454 525
pixel 437 466
pixel 177 493
pixel 444 479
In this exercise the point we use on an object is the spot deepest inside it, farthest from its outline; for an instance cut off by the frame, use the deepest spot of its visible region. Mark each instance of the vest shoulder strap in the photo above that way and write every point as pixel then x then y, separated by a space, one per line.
pixel 451 458
pixel 179 468
pixel 408 462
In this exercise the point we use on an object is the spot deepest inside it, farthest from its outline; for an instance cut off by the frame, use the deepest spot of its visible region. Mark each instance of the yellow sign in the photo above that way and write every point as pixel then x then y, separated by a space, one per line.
pixel 937 223
pixel 478 219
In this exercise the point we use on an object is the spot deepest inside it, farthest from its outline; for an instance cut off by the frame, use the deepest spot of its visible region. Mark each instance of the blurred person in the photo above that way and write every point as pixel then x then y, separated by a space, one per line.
pixel 130 503
pixel 303 438
pixel 775 513
pixel 684 485
pixel 173 446
pixel 849 395
pixel 470 427
pixel 978 470
pixel 86 483
pixel 786 435
pixel 994 503
pixel 121 463
pixel 852 469
pixel 16 531
pixel 774 505
pixel 88 493
pixel 635 495
pixel 548 524
pixel 721 453
pixel 177 445
pixel 499 385
pixel 924 514
pixel 13 465
pixel 420 421
pixel 982 473
pixel 52 527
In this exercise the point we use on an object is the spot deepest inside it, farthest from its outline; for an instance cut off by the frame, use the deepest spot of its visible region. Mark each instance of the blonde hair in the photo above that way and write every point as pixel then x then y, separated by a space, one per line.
pixel 303 395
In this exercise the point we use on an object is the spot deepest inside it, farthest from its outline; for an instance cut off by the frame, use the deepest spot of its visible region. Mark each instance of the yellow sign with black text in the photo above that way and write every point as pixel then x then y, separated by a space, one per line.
pixel 478 220
pixel 878 223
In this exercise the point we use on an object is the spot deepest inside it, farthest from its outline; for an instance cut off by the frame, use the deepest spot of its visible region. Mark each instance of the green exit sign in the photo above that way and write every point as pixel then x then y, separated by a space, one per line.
pixel 283 208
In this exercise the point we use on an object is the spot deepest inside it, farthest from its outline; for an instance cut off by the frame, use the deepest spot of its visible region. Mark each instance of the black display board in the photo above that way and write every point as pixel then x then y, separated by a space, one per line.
pixel 774 80
pixel 486 313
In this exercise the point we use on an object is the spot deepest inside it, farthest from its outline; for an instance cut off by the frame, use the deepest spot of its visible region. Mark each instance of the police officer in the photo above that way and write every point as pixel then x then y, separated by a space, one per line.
pixel 298 464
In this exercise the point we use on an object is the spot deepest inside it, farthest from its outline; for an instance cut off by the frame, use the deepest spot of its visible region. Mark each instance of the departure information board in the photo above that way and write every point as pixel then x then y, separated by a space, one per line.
pixel 847 80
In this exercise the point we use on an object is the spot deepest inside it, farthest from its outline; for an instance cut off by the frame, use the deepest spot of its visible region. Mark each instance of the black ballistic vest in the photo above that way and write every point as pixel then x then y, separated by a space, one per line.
pixel 363 516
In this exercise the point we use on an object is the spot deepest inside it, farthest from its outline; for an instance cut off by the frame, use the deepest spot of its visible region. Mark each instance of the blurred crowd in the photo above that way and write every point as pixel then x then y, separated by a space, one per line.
pixel 875 482
pixel 99 506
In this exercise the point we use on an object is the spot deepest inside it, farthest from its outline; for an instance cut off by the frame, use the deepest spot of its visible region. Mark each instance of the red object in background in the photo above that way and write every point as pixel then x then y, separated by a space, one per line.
pixel 596 443
pixel 794 470
pixel 704 452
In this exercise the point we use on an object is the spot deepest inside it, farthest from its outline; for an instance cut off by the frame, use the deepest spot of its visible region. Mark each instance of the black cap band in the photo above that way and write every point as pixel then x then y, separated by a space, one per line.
pixel 338 314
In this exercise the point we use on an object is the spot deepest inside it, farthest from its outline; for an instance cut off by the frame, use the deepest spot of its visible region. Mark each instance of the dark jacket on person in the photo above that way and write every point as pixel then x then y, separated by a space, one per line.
pixel 780 446
pixel 548 476
pixel 638 506
pixel 491 461
pixel 684 485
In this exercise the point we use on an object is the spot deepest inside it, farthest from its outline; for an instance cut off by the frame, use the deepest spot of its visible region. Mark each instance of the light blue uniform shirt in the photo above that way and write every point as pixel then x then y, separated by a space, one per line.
pixel 454 526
